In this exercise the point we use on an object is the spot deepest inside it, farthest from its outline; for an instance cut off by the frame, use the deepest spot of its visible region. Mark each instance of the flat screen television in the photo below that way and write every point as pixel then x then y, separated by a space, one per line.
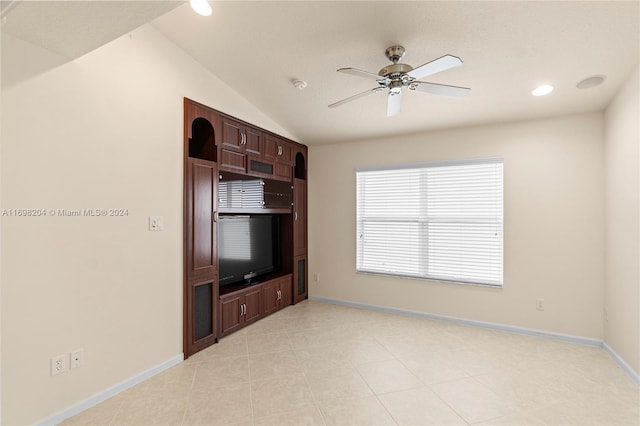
pixel 248 247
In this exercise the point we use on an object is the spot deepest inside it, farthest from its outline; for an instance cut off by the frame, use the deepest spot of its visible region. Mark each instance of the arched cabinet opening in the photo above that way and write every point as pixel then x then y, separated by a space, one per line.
pixel 300 168
pixel 202 143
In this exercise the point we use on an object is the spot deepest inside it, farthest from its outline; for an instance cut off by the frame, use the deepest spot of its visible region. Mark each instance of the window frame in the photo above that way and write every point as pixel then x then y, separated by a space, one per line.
pixel 494 249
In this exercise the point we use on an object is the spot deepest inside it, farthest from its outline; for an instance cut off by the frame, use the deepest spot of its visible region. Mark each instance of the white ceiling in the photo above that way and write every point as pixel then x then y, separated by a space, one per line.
pixel 257 48
pixel 73 28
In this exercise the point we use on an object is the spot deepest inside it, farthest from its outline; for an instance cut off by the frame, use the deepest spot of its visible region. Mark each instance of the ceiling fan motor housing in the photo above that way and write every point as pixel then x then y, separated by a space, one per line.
pixel 395 70
pixel 394 53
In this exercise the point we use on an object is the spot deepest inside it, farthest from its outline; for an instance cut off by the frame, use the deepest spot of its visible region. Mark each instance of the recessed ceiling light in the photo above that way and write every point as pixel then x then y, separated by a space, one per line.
pixel 590 82
pixel 201 7
pixel 545 89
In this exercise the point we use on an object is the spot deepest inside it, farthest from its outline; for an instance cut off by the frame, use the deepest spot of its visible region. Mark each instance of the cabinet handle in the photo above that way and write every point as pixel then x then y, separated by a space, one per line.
pixel 243 309
pixel 243 139
pixel 279 295
pixel 214 216
pixel 279 150
pixel 295 216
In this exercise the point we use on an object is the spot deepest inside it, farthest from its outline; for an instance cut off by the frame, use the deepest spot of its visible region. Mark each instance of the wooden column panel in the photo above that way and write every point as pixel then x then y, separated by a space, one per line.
pixel 201 197
pixel 299 217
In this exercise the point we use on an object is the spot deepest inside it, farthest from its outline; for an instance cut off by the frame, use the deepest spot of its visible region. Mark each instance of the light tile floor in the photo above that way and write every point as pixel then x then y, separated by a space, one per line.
pixel 321 364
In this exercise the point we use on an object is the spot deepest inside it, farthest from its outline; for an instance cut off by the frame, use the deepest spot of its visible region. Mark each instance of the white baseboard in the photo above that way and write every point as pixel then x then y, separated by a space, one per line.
pixel 109 392
pixel 494 326
pixel 622 363
pixel 464 321
pixel 122 386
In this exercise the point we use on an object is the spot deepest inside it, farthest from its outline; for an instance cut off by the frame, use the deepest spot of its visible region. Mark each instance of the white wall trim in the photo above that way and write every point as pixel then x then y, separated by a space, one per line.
pixel 109 392
pixel 622 363
pixel 464 321
pixel 495 326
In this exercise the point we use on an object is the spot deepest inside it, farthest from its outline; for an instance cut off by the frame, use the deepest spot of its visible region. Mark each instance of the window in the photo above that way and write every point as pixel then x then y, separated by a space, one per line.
pixel 440 221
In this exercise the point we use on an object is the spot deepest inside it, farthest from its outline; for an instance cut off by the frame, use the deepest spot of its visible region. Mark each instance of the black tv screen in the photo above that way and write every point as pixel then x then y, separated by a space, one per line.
pixel 248 247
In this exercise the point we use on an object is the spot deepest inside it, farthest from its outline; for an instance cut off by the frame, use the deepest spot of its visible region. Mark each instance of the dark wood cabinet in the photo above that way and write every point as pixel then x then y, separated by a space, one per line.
pixel 201 199
pixel 201 261
pixel 239 309
pixel 276 294
pixel 299 233
pixel 237 136
pixel 280 153
pixel 233 167
pixel 299 217
pixel 237 141
pixel 300 279
pixel 201 323
pixel 278 149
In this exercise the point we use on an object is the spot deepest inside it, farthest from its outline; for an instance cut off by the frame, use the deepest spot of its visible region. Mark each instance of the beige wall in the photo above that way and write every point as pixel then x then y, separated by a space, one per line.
pixel 103 131
pixel 553 195
pixel 622 223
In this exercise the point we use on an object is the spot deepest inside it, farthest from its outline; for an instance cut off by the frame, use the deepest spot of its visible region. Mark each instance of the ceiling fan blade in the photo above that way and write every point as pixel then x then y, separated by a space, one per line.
pixel 441 64
pixel 394 101
pixel 354 97
pixel 360 73
pixel 440 89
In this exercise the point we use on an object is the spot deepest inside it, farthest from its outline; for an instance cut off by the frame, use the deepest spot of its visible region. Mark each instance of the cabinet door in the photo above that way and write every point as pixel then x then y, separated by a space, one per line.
pixel 270 297
pixel 232 135
pixel 253 141
pixel 285 153
pixel 253 305
pixel 278 149
pixel 299 217
pixel 300 287
pixel 230 314
pixel 270 147
pixel 201 315
pixel 202 186
pixel 232 161
pixel 285 291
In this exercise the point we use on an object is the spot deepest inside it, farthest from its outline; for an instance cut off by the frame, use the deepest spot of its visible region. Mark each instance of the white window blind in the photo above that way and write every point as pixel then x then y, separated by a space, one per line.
pixel 439 221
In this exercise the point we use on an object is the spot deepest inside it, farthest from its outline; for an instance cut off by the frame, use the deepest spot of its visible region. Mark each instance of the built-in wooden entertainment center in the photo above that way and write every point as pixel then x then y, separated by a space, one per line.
pixel 235 170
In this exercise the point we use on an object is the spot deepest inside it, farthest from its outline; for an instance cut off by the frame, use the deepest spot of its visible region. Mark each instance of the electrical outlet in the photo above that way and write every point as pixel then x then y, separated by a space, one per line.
pixel 58 365
pixel 75 358
pixel 316 277
pixel 540 304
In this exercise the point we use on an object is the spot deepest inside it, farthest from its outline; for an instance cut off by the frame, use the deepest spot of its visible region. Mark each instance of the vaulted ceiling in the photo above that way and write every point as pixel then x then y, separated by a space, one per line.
pixel 258 48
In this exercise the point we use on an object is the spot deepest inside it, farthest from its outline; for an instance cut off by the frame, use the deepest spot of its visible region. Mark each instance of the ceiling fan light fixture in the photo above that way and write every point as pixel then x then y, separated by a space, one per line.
pixel 201 7
pixel 545 89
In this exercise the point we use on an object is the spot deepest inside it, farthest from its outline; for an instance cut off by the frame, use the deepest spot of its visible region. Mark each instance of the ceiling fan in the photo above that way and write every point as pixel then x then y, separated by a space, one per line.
pixel 396 76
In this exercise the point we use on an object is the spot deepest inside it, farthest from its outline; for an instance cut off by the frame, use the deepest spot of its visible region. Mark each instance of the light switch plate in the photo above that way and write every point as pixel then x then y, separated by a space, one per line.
pixel 156 223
